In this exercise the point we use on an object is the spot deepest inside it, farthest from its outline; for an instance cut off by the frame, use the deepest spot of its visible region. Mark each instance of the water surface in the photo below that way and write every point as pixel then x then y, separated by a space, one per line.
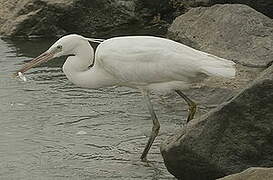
pixel 52 129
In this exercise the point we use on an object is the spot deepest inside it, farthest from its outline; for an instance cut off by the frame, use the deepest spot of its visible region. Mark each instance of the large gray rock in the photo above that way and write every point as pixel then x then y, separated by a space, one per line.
pixel 252 174
pixel 236 135
pixel 96 17
pixel 235 32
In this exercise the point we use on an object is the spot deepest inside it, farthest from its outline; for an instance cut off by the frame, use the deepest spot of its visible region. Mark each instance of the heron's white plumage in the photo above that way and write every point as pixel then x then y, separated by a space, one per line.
pixel 158 63
pixel 143 62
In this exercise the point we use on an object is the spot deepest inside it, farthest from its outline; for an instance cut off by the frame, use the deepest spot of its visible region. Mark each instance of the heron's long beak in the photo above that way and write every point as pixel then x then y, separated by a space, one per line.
pixel 36 61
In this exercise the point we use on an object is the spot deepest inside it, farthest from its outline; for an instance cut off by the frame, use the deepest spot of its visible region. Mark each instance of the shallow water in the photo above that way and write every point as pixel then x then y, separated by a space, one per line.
pixel 51 129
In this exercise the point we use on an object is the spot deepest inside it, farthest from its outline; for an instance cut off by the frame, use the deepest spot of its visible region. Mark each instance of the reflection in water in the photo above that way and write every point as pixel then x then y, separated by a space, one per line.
pixel 42 121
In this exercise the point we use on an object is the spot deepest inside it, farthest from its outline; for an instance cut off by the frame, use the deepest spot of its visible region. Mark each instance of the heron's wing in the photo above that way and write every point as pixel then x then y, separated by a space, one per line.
pixel 141 59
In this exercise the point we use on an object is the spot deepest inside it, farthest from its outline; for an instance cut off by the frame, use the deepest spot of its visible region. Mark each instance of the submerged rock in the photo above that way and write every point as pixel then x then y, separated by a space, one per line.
pixel 252 174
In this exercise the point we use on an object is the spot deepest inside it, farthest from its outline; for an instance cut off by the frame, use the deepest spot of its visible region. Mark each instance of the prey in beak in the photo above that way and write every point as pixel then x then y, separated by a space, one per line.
pixel 44 57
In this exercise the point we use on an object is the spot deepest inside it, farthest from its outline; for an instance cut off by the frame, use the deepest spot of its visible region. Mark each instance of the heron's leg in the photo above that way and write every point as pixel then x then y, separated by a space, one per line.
pixel 192 105
pixel 155 129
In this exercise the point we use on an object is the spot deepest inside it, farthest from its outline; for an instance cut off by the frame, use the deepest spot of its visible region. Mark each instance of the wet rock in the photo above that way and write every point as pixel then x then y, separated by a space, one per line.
pixel 252 174
pixel 233 137
pixel 235 32
pixel 97 18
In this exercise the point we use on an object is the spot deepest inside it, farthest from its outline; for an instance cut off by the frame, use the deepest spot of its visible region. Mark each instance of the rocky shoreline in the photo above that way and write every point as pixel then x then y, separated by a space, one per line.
pixel 100 18
pixel 229 139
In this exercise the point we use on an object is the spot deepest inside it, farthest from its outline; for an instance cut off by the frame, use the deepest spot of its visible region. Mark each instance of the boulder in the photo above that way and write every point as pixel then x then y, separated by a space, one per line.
pixel 93 18
pixel 252 174
pixel 235 32
pixel 229 139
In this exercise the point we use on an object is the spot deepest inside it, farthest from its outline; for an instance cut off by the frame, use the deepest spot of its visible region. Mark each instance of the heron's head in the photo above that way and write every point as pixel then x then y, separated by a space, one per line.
pixel 66 45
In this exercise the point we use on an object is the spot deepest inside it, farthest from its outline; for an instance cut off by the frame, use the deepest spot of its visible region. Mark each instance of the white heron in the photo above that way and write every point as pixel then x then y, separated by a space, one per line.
pixel 146 63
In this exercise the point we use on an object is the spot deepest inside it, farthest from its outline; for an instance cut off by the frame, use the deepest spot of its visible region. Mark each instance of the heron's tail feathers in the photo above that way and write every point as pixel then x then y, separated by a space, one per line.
pixel 220 72
pixel 219 67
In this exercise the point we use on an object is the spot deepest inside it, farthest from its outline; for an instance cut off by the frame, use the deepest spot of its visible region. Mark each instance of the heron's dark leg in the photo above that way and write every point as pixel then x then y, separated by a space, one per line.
pixel 192 105
pixel 155 129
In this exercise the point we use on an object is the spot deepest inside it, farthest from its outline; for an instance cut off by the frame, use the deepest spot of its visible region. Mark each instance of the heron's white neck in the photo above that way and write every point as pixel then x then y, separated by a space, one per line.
pixel 76 69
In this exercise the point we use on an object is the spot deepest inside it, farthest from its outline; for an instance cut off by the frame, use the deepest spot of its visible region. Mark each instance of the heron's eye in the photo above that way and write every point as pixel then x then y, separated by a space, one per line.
pixel 59 47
